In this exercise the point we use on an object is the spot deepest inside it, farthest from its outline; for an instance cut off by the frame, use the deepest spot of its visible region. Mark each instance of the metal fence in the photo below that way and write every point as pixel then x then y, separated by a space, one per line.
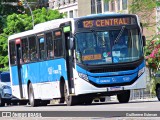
pixel 143 93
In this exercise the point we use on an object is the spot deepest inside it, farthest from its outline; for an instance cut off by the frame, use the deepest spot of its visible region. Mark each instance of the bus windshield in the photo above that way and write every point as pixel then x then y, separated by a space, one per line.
pixel 108 47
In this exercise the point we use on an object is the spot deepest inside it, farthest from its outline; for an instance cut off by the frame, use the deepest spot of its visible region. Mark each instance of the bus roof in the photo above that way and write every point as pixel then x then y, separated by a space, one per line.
pixel 17 35
pixel 41 27
pixel 51 24
pixel 56 23
pixel 108 14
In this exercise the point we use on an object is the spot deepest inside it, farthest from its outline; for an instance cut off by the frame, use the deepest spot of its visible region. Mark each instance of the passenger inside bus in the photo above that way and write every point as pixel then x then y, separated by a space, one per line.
pixel 34 55
pixel 51 53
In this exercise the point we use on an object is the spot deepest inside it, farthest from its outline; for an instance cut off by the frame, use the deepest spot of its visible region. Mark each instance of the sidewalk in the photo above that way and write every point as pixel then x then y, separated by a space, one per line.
pixel 114 98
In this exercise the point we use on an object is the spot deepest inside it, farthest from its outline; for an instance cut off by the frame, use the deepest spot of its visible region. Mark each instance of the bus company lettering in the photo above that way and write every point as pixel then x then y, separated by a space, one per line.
pixel 105 22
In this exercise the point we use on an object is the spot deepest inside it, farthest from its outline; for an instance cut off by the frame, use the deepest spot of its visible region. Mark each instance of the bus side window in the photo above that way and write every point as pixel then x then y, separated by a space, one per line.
pixel 42 53
pixel 12 53
pixel 58 45
pixel 25 55
pixel 49 42
pixel 33 49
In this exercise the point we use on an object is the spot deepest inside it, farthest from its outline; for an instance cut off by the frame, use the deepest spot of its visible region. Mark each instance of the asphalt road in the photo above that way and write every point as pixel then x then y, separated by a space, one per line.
pixel 139 109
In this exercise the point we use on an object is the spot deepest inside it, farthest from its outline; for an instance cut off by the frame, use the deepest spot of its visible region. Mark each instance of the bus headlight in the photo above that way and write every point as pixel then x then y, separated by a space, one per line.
pixel 83 76
pixel 141 71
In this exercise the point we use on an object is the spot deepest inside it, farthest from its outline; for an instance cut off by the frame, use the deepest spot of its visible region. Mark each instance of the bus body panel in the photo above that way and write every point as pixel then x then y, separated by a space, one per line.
pixel 112 77
pixel 44 80
pixel 84 87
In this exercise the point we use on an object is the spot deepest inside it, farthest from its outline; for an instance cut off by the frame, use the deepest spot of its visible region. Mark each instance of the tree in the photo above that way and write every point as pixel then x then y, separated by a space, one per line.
pixel 8 7
pixel 145 9
pixel 16 23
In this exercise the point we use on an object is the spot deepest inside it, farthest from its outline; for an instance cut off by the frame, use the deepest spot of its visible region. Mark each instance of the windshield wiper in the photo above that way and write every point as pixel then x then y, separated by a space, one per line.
pixel 95 34
pixel 119 35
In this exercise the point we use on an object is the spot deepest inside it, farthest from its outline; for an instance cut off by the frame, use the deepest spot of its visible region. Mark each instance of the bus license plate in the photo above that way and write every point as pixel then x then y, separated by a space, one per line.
pixel 116 88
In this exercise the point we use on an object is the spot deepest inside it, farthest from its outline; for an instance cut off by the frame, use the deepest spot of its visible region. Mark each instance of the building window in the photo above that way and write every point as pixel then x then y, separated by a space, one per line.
pixel 112 5
pixel 124 4
pixel 75 13
pixel 99 6
pixel 71 14
pixel 93 10
pixel 66 14
pixel 67 1
pixel 118 4
pixel 106 6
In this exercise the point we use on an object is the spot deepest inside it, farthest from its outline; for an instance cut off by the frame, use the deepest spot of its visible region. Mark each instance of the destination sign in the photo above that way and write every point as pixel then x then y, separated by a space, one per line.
pixel 106 22
pixel 91 57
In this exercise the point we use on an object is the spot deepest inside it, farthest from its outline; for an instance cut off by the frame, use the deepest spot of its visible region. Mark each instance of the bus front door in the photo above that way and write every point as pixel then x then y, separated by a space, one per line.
pixel 19 67
pixel 69 56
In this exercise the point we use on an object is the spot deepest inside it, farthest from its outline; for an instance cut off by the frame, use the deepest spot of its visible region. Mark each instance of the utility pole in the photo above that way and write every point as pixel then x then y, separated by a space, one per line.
pixel 26 5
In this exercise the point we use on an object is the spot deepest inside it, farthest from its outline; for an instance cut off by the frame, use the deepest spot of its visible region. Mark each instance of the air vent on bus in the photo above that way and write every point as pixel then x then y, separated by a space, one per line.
pixel 111 69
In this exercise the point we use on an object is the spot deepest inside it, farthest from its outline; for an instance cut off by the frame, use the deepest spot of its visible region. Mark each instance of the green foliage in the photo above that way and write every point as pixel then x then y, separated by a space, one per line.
pixel 8 9
pixel 153 86
pixel 107 0
pixel 16 23
pixel 3 51
pixel 152 53
pixel 143 8
pixel 2 23
pixel 142 5
pixel 158 3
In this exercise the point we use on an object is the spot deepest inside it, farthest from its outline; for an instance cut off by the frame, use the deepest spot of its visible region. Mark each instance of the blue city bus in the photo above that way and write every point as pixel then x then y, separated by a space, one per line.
pixel 76 60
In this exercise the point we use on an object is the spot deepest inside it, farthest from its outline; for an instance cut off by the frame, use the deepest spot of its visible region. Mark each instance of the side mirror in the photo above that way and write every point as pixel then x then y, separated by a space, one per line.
pixel 144 40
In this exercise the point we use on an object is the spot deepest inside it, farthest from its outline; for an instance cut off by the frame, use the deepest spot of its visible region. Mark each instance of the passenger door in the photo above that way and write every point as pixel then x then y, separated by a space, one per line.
pixel 66 27
pixel 19 64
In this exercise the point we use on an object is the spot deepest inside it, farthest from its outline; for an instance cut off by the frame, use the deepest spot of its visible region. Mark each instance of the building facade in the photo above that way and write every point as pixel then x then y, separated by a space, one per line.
pixel 78 8
pixel 69 7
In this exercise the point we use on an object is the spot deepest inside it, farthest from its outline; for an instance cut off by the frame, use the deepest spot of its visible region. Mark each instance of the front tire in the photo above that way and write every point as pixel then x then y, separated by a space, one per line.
pixel 70 100
pixel 32 100
pixel 124 96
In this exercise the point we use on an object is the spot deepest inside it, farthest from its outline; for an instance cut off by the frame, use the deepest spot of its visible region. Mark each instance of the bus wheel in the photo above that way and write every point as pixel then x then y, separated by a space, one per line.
pixel 32 101
pixel 62 99
pixel 124 97
pixel 70 100
pixel 2 103
pixel 158 92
